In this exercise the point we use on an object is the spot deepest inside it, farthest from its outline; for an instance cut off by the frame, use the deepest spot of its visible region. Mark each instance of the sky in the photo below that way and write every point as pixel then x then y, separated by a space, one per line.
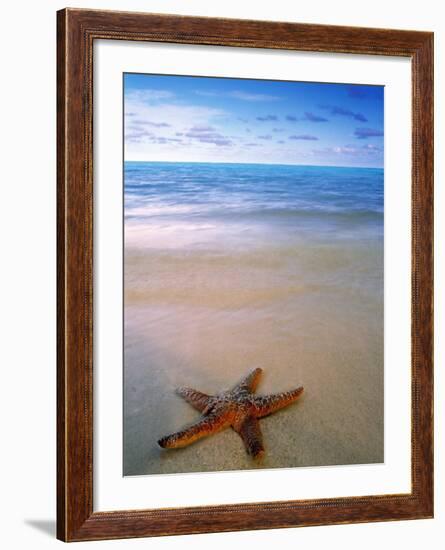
pixel 202 119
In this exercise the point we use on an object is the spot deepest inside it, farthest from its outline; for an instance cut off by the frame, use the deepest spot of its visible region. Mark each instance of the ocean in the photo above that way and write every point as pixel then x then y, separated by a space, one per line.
pixel 232 266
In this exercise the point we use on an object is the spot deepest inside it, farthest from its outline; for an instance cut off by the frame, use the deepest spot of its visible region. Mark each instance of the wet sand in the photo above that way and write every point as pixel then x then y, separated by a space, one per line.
pixel 202 314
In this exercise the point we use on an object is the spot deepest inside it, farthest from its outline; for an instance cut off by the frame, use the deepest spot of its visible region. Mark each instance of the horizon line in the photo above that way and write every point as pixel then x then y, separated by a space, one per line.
pixel 254 163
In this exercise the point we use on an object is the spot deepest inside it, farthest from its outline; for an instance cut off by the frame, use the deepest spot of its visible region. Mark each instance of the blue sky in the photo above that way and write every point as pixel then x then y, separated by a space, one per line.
pixel 200 119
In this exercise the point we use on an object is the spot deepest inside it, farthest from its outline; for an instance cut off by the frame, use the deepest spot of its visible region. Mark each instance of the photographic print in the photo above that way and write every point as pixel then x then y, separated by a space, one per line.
pixel 253 274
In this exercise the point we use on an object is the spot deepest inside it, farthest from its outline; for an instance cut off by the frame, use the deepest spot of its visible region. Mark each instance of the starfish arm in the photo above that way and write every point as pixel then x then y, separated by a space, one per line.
pixel 206 426
pixel 197 399
pixel 250 433
pixel 250 382
pixel 268 404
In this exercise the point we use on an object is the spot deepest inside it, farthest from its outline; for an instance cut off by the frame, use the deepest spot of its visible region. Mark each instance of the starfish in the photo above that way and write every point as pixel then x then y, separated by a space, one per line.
pixel 239 408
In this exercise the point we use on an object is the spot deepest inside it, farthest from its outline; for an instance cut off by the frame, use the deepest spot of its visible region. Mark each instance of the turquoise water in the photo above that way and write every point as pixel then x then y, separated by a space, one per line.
pixel 303 198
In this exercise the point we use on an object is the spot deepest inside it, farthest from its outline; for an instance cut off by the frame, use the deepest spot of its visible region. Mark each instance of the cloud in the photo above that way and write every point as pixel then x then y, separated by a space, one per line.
pixel 216 140
pixel 367 150
pixel 266 137
pixel 147 96
pixel 252 144
pixel 266 118
pixel 245 120
pixel 163 140
pixel 345 150
pixel 207 134
pixel 277 129
pixel 142 136
pixel 245 96
pixel 311 117
pixel 200 129
pixel 341 111
pixel 372 147
pixel 238 94
pixel 166 111
pixel 137 135
pixel 150 123
pixel 304 137
pixel 280 142
pixel 365 133
pixel 314 118
pixel 360 117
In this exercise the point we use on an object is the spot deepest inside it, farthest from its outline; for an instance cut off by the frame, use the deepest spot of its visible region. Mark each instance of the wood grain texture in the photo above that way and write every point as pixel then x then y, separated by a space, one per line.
pixel 76 32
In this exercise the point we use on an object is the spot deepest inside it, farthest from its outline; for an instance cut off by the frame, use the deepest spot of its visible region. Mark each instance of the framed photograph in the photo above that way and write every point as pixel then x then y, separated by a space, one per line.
pixel 245 229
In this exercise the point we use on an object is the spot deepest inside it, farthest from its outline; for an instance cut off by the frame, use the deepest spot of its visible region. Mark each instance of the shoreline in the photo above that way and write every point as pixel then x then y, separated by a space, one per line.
pixel 234 267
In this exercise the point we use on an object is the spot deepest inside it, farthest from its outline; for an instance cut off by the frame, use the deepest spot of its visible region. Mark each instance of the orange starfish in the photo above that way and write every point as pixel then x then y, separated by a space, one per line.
pixel 239 408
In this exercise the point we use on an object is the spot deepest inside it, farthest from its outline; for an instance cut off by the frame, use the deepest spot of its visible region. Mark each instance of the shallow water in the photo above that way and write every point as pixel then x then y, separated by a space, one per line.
pixel 229 267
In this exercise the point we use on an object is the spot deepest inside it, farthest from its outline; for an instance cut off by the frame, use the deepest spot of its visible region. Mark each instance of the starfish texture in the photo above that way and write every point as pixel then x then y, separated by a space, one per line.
pixel 239 408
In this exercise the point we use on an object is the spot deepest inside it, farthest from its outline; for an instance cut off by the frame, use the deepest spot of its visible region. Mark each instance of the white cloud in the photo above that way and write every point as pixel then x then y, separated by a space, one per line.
pixel 238 94
pixel 363 151
pixel 154 120
pixel 147 96
pixel 244 96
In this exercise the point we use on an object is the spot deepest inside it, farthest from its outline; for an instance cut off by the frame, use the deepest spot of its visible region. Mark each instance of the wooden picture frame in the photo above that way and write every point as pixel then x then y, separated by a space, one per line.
pixel 76 32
